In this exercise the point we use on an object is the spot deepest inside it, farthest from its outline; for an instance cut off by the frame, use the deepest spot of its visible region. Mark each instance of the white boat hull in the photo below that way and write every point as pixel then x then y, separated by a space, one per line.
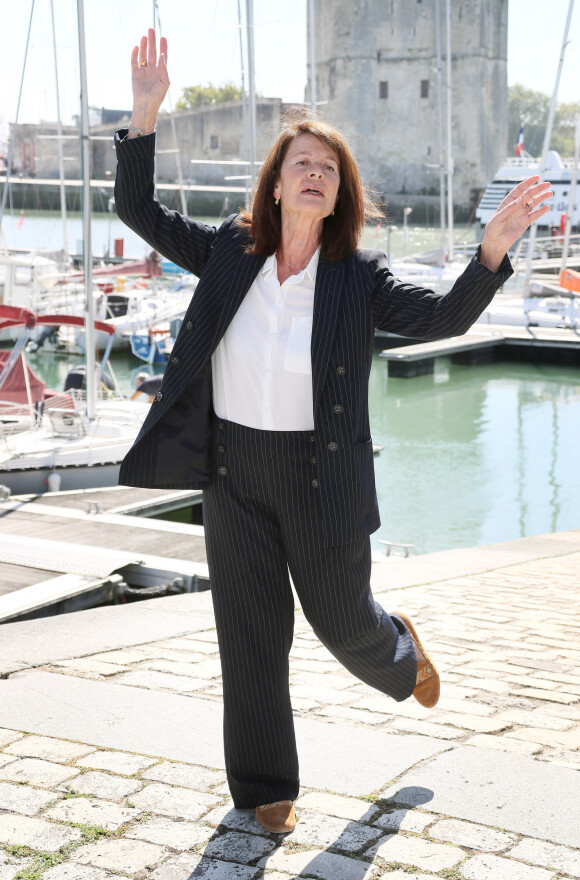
pixel 88 460
pixel 558 172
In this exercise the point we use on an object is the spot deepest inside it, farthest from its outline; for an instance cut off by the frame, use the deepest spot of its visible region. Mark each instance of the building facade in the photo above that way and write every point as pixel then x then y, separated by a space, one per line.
pixel 376 79
pixel 210 134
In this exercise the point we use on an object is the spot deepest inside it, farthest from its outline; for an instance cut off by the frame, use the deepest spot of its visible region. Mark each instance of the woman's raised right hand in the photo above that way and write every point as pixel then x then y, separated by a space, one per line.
pixel 150 80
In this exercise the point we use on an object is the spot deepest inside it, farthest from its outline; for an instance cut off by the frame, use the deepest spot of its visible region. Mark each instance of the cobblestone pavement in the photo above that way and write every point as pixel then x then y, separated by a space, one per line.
pixel 508 644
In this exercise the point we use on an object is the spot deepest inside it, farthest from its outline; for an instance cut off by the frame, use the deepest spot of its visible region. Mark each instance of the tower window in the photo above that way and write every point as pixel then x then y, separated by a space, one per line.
pixel 213 142
pixel 383 89
pixel 424 88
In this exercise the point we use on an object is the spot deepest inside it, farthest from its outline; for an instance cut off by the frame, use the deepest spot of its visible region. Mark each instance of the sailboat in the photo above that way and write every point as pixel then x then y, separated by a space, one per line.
pixel 47 440
pixel 80 444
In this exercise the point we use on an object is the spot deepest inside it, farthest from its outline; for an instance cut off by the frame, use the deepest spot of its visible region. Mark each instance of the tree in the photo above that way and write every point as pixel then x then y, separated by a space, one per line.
pixel 199 96
pixel 530 109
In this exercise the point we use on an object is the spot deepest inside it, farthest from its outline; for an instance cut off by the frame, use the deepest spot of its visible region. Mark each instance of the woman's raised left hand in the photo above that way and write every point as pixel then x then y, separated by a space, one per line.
pixel 520 208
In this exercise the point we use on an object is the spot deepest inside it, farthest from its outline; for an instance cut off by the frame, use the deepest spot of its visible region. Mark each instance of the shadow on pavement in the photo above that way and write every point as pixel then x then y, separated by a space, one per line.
pixel 386 815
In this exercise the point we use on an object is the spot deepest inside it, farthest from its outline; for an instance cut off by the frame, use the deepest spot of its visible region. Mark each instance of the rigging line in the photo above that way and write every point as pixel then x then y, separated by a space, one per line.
pixel 172 121
pixel 14 127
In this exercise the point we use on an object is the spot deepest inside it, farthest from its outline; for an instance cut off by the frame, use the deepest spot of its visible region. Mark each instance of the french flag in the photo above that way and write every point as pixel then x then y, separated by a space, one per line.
pixel 520 142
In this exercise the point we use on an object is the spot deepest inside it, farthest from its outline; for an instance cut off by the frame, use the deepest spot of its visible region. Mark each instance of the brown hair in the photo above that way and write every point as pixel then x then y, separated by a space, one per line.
pixel 355 204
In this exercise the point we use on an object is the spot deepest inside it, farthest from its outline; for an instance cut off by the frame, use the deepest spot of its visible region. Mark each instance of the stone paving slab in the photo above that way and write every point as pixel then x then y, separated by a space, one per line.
pixel 333 805
pixel 168 800
pixel 405 820
pixel 22 799
pixel 74 708
pixel 91 811
pixel 32 643
pixel 35 833
pixel 186 775
pixel 320 864
pixel 229 817
pixel 497 789
pixel 236 846
pixel 167 832
pixel 315 829
pixel 120 855
pixel 48 748
pixel 10 866
pixel 8 736
pixel 335 757
pixel 471 835
pixel 538 852
pixel 417 852
pixel 34 771
pixel 102 785
pixel 6 759
pixel 71 871
pixel 488 867
pixel 116 762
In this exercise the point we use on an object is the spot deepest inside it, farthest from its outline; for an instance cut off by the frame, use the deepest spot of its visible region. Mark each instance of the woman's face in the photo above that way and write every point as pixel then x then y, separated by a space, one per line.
pixel 309 178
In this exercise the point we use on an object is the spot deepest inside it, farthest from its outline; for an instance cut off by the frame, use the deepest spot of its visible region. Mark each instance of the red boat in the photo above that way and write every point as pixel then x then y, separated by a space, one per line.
pixel 22 391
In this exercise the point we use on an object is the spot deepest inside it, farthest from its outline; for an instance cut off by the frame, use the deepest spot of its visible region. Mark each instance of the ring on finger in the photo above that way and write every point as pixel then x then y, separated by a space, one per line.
pixel 142 64
pixel 528 207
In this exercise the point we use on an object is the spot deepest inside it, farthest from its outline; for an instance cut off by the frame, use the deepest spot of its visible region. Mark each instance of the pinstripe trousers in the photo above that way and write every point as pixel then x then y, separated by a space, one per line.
pixel 262 520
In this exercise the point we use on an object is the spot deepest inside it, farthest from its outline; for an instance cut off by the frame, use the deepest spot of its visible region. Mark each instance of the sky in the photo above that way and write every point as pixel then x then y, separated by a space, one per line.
pixel 204 46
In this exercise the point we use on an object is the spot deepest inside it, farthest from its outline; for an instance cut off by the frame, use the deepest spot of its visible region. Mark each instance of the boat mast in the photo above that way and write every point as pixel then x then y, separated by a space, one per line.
pixel 87 248
pixel 440 118
pixel 157 19
pixel 15 125
pixel 571 198
pixel 449 151
pixel 243 97
pixel 311 26
pixel 252 88
pixel 546 147
pixel 60 146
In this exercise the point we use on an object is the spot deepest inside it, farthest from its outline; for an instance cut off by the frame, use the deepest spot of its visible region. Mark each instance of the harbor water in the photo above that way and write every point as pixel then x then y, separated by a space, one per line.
pixel 471 454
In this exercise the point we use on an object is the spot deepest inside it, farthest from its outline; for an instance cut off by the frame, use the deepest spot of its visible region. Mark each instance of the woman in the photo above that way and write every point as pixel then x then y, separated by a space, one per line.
pixel 264 405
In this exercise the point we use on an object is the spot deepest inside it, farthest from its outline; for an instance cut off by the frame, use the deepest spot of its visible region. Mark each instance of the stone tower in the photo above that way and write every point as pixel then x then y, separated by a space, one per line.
pixel 376 68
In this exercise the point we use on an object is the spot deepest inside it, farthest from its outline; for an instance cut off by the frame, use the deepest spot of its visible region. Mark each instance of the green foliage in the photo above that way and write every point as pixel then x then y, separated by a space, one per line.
pixel 451 874
pixel 199 96
pixel 92 832
pixel 18 850
pixel 530 109
pixel 42 861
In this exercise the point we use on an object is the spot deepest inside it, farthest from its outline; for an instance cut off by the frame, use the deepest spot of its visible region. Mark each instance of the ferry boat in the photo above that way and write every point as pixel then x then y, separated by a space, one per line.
pixel 518 168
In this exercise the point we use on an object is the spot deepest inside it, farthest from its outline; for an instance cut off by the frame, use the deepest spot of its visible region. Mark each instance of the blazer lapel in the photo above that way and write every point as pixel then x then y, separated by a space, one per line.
pixel 328 292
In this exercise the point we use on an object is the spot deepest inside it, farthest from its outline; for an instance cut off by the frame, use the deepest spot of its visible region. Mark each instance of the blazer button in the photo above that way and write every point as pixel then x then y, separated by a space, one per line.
pixel 332 446
pixel 337 409
pixel 189 325
pixel 222 470
pixel 221 447
pixel 159 397
pixel 313 460
pixel 340 370
pixel 221 426
pixel 312 438
pixel 175 360
pixel 315 484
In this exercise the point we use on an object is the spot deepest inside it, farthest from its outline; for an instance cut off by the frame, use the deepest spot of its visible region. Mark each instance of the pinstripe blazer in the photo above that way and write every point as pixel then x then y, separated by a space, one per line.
pixel 351 298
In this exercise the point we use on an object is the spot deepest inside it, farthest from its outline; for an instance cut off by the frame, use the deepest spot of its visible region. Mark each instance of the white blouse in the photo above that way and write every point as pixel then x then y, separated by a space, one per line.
pixel 262 371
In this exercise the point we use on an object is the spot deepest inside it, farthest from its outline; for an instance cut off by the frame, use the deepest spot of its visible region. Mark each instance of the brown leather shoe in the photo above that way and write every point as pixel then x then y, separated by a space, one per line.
pixel 278 817
pixel 428 684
